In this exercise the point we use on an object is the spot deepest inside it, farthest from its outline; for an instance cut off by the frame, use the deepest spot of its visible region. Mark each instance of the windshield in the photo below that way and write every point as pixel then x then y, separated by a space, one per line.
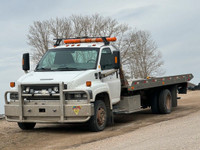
pixel 69 59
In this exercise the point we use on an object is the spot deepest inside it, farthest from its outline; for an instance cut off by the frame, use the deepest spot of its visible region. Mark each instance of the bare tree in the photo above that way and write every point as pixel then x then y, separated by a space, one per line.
pixel 39 39
pixel 42 33
pixel 143 58
pixel 139 53
pixel 96 25
pixel 60 28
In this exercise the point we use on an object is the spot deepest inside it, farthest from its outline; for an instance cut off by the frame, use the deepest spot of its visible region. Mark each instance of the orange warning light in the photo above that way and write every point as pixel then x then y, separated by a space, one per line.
pixel 12 84
pixel 89 40
pixel 88 83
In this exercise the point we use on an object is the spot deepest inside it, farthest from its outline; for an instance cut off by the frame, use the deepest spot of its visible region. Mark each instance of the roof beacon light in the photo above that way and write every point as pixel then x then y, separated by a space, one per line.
pixel 89 40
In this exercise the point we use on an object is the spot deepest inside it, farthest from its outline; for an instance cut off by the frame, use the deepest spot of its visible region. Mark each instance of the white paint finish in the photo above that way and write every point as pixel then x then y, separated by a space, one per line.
pixel 49 77
pixel 114 85
pixel 77 79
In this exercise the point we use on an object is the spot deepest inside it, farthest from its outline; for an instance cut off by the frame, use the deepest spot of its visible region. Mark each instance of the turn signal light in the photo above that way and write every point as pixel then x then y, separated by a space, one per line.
pixel 115 60
pixel 12 84
pixel 88 83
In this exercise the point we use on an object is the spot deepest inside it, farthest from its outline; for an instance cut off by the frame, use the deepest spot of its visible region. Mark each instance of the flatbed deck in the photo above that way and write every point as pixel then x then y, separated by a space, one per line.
pixel 158 82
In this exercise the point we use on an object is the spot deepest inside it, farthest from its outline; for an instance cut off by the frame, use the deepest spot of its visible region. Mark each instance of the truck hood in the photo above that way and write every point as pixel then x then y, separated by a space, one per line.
pixel 49 77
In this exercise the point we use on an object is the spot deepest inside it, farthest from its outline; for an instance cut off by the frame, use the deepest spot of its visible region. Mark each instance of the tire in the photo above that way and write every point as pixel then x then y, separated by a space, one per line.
pixel 165 102
pixel 99 120
pixel 154 103
pixel 26 126
pixel 174 96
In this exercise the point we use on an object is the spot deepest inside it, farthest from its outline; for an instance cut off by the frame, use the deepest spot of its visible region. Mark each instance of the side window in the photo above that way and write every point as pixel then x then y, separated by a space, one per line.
pixel 106 51
pixel 107 59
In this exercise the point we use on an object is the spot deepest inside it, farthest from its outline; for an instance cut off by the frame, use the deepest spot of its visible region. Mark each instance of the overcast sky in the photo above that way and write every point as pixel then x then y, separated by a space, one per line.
pixel 174 25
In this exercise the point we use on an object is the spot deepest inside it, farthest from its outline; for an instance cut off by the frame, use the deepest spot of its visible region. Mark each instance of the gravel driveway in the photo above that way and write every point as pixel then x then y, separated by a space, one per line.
pixel 177 134
pixel 141 130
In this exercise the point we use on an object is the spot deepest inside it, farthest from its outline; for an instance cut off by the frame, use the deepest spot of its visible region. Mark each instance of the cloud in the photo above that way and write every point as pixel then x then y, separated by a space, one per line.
pixel 174 27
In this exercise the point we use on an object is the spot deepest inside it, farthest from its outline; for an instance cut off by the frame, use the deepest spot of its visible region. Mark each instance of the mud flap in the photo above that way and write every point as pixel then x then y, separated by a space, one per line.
pixel 110 118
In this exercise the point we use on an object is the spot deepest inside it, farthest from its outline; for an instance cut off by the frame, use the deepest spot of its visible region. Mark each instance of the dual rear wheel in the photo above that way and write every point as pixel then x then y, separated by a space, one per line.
pixel 162 102
pixel 165 102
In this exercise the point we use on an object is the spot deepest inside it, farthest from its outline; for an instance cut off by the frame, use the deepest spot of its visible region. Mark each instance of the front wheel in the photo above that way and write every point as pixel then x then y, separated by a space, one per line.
pixel 26 126
pixel 99 120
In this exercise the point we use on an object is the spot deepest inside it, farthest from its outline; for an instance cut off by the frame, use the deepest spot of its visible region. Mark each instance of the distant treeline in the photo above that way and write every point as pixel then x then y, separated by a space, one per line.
pixel 196 87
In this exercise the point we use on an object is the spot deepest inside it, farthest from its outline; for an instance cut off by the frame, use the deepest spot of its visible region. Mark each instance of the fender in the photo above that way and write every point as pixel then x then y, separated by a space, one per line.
pixel 98 89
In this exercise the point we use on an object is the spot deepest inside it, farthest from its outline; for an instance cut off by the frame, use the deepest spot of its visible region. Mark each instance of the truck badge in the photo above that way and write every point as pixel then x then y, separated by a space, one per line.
pixel 76 109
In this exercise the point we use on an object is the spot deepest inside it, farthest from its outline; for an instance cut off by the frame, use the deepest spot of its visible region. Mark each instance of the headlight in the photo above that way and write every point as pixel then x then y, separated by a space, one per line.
pixel 76 96
pixel 55 89
pixel 14 96
pixel 32 91
pixel 27 89
pixel 84 95
pixel 50 90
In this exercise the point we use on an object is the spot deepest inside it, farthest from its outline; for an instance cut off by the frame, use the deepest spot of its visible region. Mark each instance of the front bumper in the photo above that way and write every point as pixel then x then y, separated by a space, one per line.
pixel 49 111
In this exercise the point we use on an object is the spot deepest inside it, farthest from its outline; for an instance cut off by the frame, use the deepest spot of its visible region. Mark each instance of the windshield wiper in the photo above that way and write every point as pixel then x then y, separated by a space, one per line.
pixel 44 69
pixel 65 69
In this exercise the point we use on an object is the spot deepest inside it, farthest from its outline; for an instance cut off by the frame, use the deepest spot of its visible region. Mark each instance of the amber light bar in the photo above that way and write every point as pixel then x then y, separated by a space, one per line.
pixel 89 40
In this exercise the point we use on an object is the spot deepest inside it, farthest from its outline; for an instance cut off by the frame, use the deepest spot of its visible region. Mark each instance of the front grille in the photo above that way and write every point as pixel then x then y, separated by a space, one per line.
pixel 42 98
pixel 32 89
pixel 41 92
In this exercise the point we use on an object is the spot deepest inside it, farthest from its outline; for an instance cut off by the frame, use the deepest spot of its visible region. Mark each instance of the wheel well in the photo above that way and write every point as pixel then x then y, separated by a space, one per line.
pixel 104 97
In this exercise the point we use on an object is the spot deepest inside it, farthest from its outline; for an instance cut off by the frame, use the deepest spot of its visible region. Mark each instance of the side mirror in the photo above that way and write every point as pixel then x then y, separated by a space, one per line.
pixel 25 62
pixel 116 55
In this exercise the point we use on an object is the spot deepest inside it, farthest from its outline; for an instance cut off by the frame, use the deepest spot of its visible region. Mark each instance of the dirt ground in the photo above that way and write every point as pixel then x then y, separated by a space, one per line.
pixel 48 136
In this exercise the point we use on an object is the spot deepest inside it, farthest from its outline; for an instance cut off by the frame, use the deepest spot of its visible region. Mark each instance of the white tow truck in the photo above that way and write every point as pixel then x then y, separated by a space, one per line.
pixel 82 81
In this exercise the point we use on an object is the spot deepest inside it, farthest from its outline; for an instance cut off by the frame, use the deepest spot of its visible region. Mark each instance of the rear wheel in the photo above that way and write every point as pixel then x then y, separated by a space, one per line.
pixel 26 126
pixel 165 102
pixel 99 120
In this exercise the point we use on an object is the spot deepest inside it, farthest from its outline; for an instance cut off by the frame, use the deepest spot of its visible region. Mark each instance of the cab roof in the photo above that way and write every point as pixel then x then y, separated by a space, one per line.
pixel 75 45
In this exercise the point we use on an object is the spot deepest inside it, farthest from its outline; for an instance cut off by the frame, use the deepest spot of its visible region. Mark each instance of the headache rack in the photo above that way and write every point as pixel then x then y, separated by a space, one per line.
pixel 106 40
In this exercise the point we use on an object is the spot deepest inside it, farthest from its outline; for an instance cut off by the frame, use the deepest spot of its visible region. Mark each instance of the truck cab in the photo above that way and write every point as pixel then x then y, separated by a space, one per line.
pixel 75 82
